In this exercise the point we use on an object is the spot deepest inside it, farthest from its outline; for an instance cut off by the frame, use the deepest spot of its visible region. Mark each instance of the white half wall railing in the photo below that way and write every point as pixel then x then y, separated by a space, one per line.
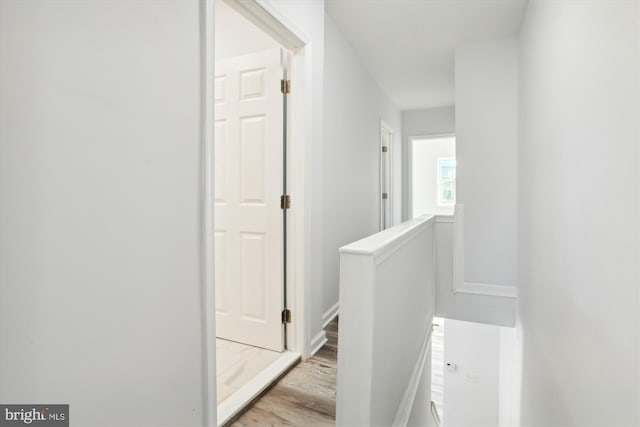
pixel 386 316
pixel 457 297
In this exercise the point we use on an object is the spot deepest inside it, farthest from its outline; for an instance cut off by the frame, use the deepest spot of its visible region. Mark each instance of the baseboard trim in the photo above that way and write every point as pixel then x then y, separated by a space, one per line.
pixel 401 418
pixel 444 219
pixel 330 315
pixel 234 405
pixel 460 286
pixel 317 342
pixel 487 289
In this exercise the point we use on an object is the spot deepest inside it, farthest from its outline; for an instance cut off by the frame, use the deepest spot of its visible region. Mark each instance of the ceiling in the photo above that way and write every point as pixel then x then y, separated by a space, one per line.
pixel 408 45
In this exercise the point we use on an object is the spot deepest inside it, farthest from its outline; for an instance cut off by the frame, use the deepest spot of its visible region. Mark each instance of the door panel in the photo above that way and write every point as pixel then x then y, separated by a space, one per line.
pixel 248 185
pixel 253 163
pixel 253 256
pixel 220 154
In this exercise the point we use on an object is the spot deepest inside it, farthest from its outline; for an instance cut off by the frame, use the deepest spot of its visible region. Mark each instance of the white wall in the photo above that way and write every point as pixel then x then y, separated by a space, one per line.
pixel 578 222
pixel 354 105
pixel 482 390
pixel 486 105
pixel 437 121
pixel 431 121
pixel 494 310
pixel 424 172
pixel 509 377
pixel 100 294
pixel 471 390
pixel 100 278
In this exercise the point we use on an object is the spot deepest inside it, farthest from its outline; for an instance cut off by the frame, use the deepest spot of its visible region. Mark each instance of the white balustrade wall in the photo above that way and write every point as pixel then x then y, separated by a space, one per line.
pixel 459 299
pixel 386 315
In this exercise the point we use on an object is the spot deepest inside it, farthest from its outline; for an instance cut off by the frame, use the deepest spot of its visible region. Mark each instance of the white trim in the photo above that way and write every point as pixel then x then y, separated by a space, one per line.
pixel 401 419
pixel 409 214
pixel 268 19
pixel 384 127
pixel 234 404
pixel 383 244
pixel 433 136
pixel 330 314
pixel 487 289
pixel 317 342
pixel 444 219
pixel 458 246
pixel 460 286
pixel 299 185
pixel 207 256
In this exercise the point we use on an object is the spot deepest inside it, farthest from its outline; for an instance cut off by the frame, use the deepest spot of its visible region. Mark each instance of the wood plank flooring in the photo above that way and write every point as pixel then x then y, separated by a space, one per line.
pixel 305 397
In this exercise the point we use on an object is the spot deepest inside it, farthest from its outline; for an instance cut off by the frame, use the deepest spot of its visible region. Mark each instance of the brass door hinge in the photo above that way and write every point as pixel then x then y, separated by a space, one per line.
pixel 285 86
pixel 286 316
pixel 285 201
pixel 385 148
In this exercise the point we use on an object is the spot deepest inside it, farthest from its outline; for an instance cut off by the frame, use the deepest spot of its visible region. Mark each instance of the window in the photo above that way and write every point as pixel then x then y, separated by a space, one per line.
pixel 432 174
pixel 446 182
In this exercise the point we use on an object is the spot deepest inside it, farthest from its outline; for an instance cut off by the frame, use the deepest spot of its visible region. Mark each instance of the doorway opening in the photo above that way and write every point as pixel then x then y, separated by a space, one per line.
pixel 474 373
pixel 432 172
pixel 256 289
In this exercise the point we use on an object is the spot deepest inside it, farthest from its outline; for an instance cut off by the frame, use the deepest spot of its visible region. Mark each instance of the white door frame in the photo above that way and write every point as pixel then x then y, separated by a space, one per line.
pixel 384 127
pixel 263 15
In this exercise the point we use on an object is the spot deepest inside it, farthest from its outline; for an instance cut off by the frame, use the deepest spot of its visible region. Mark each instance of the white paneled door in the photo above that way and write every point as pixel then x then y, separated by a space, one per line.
pixel 248 185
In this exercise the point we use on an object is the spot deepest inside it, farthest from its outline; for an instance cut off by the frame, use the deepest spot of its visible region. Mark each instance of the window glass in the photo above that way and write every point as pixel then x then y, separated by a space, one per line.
pixel 446 182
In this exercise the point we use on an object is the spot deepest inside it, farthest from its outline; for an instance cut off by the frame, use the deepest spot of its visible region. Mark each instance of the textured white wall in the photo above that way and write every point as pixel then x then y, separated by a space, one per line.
pixel 100 287
pixel 486 148
pixel 354 105
pixel 578 204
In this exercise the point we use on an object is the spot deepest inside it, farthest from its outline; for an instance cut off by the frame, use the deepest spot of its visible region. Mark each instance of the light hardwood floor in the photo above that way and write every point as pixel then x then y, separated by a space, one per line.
pixel 306 396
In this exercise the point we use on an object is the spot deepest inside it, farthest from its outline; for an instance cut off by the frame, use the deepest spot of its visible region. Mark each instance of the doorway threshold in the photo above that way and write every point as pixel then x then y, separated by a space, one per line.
pixel 234 405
